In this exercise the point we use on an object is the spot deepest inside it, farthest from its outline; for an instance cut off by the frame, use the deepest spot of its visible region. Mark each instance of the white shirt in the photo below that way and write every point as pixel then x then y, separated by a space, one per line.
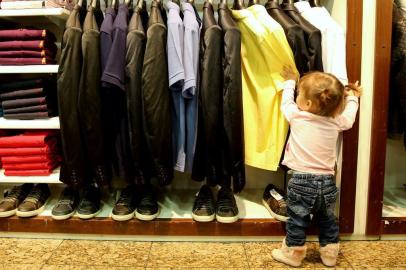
pixel 333 40
pixel 312 142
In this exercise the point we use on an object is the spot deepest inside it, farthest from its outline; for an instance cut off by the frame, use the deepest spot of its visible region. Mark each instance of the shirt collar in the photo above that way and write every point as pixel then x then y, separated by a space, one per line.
pixel 171 5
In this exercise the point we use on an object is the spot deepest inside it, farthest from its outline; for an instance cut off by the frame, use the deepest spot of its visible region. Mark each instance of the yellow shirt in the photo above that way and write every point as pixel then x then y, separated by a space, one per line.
pixel 264 53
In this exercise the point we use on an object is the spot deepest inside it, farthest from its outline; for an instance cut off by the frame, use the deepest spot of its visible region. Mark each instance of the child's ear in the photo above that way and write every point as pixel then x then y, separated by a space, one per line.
pixel 309 103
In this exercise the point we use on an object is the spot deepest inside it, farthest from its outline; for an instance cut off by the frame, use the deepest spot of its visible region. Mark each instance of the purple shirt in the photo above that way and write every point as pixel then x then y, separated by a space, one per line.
pixel 106 38
pixel 114 71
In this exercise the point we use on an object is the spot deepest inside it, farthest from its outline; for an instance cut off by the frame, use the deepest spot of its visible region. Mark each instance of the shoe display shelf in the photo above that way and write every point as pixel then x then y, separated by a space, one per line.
pixel 174 219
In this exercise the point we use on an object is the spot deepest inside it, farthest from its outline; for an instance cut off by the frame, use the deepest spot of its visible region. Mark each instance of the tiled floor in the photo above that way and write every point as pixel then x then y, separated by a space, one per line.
pixel 35 254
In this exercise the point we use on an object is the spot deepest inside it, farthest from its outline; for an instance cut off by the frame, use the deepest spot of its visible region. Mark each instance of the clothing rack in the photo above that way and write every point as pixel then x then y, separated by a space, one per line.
pixel 186 226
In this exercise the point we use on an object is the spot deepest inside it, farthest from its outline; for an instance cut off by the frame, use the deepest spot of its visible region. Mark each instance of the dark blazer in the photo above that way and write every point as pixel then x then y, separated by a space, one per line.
pixel 232 101
pixel 208 160
pixel 312 34
pixel 294 34
pixel 89 100
pixel 156 97
pixel 136 41
pixel 73 168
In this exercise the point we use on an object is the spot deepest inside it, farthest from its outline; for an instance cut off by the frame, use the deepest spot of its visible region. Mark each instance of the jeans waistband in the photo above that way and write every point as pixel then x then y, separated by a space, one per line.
pixel 314 177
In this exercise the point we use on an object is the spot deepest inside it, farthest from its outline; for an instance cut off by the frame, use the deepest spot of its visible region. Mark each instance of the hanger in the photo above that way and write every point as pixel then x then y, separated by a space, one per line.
pixel 140 4
pixel 192 2
pixel 210 1
pixel 238 4
pixel 315 3
pixel 80 3
pixel 289 1
pixel 94 4
pixel 253 2
pixel 128 2
pixel 223 2
pixel 176 2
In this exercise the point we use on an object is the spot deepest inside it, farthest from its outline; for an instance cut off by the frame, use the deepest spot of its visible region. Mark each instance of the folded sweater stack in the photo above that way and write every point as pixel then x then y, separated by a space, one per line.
pixel 27 47
pixel 33 153
pixel 28 99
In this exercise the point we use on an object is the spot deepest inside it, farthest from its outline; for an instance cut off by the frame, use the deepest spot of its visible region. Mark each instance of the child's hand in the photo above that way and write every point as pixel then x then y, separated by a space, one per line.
pixel 288 73
pixel 353 89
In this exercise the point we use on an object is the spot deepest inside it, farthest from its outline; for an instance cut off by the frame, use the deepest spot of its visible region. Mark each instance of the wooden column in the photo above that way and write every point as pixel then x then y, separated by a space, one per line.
pixel 350 137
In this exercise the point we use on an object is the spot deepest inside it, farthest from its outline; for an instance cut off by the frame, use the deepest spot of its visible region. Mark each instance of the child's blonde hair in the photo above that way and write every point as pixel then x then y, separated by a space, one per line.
pixel 325 91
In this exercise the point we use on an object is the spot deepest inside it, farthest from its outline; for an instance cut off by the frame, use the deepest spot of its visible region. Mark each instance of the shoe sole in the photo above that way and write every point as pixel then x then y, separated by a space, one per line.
pixel 32 213
pixel 203 218
pixel 273 214
pixel 89 216
pixel 63 217
pixel 123 217
pixel 227 219
pixel 8 213
pixel 146 217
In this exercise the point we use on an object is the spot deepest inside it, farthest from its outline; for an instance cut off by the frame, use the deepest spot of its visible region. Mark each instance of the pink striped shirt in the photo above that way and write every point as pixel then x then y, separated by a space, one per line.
pixel 312 143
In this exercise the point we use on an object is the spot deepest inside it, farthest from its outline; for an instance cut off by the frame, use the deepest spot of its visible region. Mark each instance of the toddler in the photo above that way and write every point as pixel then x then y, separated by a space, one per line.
pixel 324 107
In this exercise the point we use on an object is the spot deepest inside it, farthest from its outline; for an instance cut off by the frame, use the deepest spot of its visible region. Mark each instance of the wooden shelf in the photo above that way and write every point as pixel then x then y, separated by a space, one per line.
pixel 51 123
pixel 56 12
pixel 51 179
pixel 29 69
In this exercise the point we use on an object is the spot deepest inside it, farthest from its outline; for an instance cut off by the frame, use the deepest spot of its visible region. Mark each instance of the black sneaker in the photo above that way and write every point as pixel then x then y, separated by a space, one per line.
pixel 67 204
pixel 203 208
pixel 227 210
pixel 147 208
pixel 13 198
pixel 90 205
pixel 125 205
pixel 35 202
pixel 274 200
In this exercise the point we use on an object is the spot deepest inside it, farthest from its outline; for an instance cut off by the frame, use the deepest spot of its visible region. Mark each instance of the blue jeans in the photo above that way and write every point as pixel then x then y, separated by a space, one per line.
pixel 311 194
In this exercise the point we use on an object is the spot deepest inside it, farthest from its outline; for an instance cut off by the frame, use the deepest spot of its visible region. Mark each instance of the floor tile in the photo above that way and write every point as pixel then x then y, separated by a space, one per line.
pixel 259 256
pixel 367 254
pixel 101 253
pixel 192 255
pixel 20 266
pixel 26 251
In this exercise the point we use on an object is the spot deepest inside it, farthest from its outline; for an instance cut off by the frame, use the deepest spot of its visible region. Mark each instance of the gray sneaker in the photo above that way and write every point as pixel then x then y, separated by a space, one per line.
pixel 67 204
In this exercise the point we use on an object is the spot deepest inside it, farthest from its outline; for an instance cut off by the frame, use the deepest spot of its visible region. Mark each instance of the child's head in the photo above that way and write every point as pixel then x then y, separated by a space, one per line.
pixel 320 93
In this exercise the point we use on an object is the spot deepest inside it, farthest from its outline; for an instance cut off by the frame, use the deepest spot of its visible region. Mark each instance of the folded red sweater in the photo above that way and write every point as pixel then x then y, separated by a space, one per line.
pixel 27 172
pixel 30 159
pixel 31 166
pixel 29 139
pixel 29 151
